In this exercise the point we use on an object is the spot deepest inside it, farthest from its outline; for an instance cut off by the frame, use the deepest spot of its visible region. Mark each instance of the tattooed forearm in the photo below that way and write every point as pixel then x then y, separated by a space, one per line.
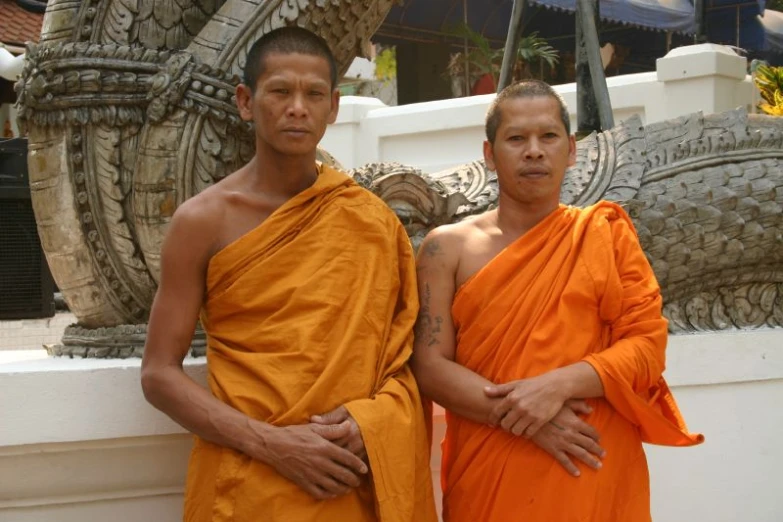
pixel 423 321
pixel 427 327
pixel 435 329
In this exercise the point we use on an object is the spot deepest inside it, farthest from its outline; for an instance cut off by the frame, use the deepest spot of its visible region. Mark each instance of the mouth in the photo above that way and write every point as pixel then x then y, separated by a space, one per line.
pixel 534 173
pixel 296 131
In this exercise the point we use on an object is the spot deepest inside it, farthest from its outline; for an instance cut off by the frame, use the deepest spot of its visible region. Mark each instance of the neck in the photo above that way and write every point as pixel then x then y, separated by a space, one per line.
pixel 515 218
pixel 280 175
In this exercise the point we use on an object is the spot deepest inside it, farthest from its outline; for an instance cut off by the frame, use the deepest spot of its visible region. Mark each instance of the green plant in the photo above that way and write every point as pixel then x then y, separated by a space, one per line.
pixel 482 59
pixel 775 5
pixel 386 64
pixel 769 81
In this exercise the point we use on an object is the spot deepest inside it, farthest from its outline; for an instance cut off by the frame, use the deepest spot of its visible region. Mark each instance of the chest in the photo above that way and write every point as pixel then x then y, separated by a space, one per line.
pixel 478 252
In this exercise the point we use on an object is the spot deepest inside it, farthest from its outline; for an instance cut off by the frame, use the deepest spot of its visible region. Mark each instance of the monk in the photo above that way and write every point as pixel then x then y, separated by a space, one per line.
pixel 304 283
pixel 540 332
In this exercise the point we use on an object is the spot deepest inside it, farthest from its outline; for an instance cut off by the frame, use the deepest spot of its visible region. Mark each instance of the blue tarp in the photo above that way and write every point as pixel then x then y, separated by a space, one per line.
pixel 726 19
pixel 664 15
pixel 491 17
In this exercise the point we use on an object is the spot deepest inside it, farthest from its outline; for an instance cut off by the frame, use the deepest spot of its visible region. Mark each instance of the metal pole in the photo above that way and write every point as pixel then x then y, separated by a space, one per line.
pixel 512 43
pixel 465 48
pixel 587 119
pixel 738 27
pixel 700 19
pixel 597 76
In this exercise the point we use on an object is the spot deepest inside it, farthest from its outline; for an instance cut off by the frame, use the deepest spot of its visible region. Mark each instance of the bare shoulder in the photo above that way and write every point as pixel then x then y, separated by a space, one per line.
pixel 195 224
pixel 450 240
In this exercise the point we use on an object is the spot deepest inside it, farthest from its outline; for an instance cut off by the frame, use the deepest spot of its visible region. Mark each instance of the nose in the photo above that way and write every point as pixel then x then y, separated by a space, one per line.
pixel 533 150
pixel 297 107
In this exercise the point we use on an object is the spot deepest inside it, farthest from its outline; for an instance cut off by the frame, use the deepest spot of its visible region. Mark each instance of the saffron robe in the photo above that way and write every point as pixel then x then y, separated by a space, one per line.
pixel 311 310
pixel 576 287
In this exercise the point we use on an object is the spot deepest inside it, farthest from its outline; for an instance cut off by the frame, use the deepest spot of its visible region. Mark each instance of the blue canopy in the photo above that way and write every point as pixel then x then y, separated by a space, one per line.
pixel 664 15
pixel 491 17
pixel 730 22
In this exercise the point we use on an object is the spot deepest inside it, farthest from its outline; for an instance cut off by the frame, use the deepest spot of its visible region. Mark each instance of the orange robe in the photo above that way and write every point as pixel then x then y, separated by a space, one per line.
pixel 311 310
pixel 577 287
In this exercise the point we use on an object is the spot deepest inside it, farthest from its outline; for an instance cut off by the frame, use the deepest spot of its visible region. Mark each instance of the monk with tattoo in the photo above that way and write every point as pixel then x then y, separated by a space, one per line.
pixel 540 329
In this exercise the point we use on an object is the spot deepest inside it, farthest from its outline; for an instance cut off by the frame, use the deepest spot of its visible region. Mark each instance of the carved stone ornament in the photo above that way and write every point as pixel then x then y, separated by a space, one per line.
pixel 129 110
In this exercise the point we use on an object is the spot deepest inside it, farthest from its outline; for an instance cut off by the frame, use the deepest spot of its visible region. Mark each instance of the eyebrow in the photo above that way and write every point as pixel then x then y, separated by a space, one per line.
pixel 312 83
pixel 542 128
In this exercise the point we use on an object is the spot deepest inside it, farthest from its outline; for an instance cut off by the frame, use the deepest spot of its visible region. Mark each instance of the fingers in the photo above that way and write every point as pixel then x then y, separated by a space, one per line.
pixel 587 430
pixel 590 445
pixel 519 427
pixel 564 461
pixel 330 488
pixel 498 390
pixel 533 428
pixel 348 460
pixel 584 456
pixel 579 406
pixel 501 412
pixel 336 416
pixel 333 432
pixel 510 419
pixel 342 475
pixel 316 491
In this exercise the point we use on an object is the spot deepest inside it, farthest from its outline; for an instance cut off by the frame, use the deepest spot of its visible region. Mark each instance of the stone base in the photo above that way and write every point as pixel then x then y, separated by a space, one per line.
pixel 118 342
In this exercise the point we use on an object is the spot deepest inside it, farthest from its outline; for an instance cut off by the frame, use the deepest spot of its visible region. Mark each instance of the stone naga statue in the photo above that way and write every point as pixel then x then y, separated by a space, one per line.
pixel 129 111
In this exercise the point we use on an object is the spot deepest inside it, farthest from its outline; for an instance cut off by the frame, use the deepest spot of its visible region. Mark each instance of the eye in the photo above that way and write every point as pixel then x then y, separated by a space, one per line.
pixel 280 91
pixel 515 138
pixel 550 135
pixel 316 93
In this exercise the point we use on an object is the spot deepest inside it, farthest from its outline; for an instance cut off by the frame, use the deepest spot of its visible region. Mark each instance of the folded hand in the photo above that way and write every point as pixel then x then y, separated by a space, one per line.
pixel 567 435
pixel 308 456
pixel 526 405
pixel 352 441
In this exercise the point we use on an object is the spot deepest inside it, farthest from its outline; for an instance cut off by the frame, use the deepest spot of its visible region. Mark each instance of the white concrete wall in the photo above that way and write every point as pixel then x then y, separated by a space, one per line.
pixel 82 444
pixel 437 135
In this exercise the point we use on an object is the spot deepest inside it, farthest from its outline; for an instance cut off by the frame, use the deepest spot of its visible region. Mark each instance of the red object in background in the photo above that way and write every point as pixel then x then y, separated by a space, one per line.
pixel 484 85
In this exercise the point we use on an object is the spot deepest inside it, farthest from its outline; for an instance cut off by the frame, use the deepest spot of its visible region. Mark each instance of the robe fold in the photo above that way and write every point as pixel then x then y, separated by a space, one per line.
pixel 576 287
pixel 314 309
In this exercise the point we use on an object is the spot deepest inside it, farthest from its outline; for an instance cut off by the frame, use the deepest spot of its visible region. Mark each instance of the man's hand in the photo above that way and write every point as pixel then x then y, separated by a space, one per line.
pixel 352 441
pixel 566 434
pixel 308 456
pixel 527 404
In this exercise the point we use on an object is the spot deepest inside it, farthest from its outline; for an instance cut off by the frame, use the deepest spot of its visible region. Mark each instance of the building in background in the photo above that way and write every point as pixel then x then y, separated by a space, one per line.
pixel 20 22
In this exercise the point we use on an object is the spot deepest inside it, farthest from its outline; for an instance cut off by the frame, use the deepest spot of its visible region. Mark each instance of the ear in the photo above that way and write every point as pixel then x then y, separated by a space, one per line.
pixel 244 97
pixel 571 150
pixel 489 155
pixel 335 106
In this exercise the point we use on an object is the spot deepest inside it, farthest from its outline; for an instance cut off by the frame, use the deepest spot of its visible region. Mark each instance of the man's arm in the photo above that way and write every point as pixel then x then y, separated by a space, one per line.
pixel 300 453
pixel 439 377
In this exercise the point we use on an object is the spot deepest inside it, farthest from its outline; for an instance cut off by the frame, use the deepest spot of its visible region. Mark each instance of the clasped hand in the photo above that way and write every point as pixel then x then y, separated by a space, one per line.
pixel 326 458
pixel 526 408
pixel 525 405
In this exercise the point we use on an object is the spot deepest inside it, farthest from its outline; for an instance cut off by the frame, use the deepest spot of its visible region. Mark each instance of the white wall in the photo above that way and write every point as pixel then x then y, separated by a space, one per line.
pixel 437 135
pixel 84 446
